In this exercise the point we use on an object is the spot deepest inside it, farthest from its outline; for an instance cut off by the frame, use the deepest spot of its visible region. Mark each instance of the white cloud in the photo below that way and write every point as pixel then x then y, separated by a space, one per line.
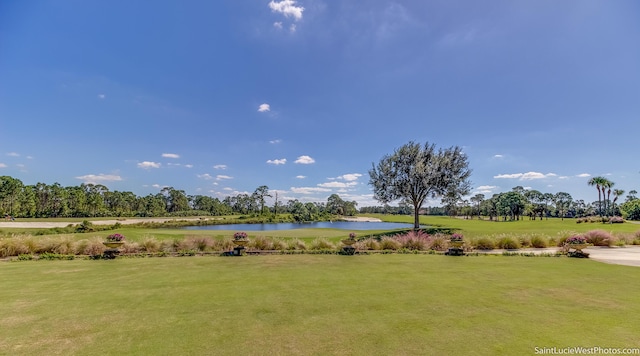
pixel 301 177
pixel 2 165
pixel 227 189
pixel 275 141
pixel 170 155
pixel 205 176
pixel 309 190
pixel 220 166
pixel 264 107
pixel 278 25
pixel 277 161
pixel 583 175
pixel 101 96
pixel 498 156
pixel 525 176
pixel 305 160
pixel 221 177
pixel 147 165
pixel 563 177
pixel 93 178
pixel 337 184
pixel 288 8
pixel 13 154
pixel 292 28
pixel 189 165
pixel 29 157
pixel 350 177
pixel 156 186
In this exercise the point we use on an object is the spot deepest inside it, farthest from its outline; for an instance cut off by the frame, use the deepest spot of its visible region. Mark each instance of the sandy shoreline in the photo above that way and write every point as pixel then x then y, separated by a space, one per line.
pixel 44 225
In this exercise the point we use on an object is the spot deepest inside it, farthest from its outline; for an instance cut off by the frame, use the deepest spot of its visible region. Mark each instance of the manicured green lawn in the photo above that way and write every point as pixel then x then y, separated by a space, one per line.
pixel 316 305
pixel 478 228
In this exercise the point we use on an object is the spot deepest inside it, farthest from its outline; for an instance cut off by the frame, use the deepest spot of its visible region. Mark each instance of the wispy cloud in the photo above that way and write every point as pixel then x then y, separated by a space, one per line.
pixel 223 177
pixel 101 96
pixel 13 154
pixel 188 165
pixel 301 177
pixel 205 176
pixel 305 160
pixel 264 107
pixel 277 161
pixel 278 25
pixel 220 166
pixel 288 8
pixel 337 184
pixel 309 190
pixel 276 141
pixel 525 176
pixel 170 155
pixel 498 156
pixel 350 177
pixel 583 175
pixel 2 165
pixel 147 165
pixel 98 178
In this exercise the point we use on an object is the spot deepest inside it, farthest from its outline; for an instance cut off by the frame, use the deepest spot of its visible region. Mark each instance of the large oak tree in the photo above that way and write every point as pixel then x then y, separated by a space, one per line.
pixel 415 173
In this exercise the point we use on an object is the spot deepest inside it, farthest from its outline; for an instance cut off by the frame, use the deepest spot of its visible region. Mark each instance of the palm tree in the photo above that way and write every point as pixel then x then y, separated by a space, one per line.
pixel 598 181
pixel 617 193
pixel 607 184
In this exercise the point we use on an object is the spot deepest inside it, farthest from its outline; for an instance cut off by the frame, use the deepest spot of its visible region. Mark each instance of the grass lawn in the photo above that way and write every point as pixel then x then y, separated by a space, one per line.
pixel 479 228
pixel 316 305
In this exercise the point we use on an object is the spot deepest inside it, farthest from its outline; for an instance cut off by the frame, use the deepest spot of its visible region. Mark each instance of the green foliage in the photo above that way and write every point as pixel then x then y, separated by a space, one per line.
pixel 631 209
pixel 507 243
pixel 485 243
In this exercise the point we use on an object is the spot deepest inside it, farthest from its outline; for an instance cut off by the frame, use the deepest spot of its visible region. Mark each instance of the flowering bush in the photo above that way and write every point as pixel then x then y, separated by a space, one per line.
pixel 240 235
pixel 576 240
pixel 456 237
pixel 115 238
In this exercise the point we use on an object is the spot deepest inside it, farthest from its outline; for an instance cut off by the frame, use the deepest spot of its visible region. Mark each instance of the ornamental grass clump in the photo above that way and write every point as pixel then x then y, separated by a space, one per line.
pixel 389 243
pixel 440 242
pixel 416 240
pixel 367 244
pixel 538 241
pixel 261 243
pixel 507 243
pixel 485 243
pixel 296 244
pixel 599 238
pixel 321 243
pixel 150 244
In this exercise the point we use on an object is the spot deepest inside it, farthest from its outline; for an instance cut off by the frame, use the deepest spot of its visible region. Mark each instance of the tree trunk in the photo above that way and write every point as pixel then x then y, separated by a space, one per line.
pixel 416 216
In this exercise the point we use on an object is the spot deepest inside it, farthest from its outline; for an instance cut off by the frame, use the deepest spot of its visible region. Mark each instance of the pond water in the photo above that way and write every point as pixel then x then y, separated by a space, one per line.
pixel 343 225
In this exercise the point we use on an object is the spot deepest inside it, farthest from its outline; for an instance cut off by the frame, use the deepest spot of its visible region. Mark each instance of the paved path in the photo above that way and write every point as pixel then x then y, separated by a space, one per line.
pixel 629 255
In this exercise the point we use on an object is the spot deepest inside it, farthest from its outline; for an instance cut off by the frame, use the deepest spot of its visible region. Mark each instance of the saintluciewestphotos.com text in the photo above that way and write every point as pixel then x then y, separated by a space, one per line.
pixel 595 350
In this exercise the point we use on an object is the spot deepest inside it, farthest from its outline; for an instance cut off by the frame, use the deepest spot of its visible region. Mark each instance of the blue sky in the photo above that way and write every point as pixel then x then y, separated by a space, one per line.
pixel 220 97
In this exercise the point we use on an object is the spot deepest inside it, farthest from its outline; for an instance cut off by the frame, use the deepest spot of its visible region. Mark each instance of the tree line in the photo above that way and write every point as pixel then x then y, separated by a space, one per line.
pixel 96 200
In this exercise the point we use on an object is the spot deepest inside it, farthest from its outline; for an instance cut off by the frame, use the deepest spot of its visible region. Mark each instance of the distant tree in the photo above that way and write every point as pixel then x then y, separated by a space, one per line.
pixel 617 193
pixel 562 201
pixel 416 172
pixel 632 195
pixel 631 209
pixel 260 194
pixel 478 199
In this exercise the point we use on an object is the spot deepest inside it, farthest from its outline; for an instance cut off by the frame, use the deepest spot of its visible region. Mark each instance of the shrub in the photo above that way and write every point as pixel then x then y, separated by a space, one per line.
pixel 131 247
pixel 64 246
pixel 93 247
pixel 261 243
pixel 599 238
pixel 389 243
pixel 149 244
pixel 524 240
pixel 539 242
pixel 225 244
pixel 414 240
pixel 321 244
pixel 439 242
pixel 508 243
pixel 12 247
pixel 367 244
pixel 200 243
pixel 296 244
pixel 278 244
pixel 485 243
pixel 616 220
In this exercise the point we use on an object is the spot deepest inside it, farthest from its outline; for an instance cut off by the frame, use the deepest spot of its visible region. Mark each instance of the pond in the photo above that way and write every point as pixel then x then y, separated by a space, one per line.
pixel 342 225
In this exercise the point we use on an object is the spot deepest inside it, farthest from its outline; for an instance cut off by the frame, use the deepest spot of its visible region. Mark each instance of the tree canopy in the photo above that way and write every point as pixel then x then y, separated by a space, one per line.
pixel 415 173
